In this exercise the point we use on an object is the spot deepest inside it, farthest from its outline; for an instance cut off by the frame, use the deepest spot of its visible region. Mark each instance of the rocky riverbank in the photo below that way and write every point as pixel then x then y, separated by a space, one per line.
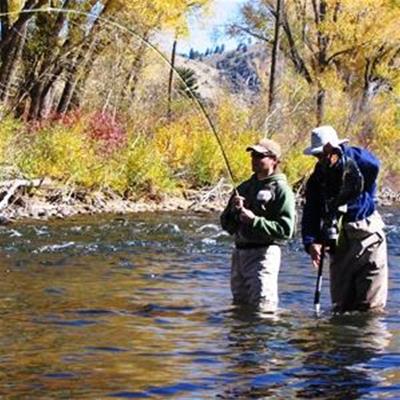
pixel 45 199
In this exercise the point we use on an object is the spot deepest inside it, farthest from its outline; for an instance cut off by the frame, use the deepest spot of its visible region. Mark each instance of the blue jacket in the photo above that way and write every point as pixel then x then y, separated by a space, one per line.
pixel 358 207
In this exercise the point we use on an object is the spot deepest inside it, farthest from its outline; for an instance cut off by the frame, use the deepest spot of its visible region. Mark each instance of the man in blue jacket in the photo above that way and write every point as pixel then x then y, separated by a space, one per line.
pixel 340 216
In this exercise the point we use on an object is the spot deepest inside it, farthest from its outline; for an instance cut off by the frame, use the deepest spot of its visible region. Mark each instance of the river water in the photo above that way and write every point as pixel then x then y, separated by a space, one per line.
pixel 140 307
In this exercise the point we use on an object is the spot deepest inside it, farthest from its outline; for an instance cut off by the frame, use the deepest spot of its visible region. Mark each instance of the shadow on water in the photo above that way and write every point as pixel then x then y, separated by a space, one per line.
pixel 140 307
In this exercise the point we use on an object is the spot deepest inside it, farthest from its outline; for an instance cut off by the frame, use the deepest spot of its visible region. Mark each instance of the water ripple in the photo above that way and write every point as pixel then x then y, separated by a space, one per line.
pixel 140 307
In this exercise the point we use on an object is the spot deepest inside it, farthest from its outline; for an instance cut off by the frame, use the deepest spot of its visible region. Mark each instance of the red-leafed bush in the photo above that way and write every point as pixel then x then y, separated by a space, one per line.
pixel 68 120
pixel 107 131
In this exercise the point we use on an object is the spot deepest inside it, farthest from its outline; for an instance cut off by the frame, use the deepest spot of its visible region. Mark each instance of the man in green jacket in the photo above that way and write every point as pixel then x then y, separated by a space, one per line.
pixel 261 216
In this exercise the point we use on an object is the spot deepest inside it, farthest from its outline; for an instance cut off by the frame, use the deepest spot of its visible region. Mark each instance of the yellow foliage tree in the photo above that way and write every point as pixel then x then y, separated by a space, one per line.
pixel 356 40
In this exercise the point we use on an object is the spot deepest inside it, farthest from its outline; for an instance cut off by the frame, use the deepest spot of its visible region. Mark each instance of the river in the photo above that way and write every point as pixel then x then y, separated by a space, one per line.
pixel 139 306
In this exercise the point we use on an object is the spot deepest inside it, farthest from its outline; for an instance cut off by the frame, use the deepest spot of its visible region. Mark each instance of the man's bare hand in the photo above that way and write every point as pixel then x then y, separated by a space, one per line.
pixel 315 253
pixel 246 216
pixel 237 202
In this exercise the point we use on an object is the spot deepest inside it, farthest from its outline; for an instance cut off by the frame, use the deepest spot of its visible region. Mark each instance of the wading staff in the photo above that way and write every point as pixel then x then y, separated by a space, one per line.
pixel 318 284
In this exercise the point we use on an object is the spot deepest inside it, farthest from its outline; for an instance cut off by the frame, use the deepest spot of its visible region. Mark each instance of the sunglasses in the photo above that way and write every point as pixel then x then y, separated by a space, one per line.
pixel 254 154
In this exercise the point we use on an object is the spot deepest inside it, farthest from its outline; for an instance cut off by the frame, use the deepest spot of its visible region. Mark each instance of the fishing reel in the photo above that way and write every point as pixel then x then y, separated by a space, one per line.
pixel 330 233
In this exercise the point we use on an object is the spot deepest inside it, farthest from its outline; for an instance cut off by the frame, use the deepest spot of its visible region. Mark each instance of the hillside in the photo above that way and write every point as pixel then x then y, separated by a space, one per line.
pixel 240 71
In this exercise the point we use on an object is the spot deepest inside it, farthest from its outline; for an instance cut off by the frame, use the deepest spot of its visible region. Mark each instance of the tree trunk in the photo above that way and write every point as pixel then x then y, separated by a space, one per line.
pixel 4 19
pixel 274 55
pixel 11 42
pixel 36 95
pixel 23 17
pixel 320 105
pixel 171 77
pixel 43 72
pixel 77 74
pixel 10 57
pixel 45 105
pixel 294 55
pixel 322 40
pixel 133 78
pixel 66 96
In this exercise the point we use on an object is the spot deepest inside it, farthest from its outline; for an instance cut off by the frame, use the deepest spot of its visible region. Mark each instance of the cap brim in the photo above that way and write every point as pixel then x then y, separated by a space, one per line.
pixel 311 151
pixel 257 148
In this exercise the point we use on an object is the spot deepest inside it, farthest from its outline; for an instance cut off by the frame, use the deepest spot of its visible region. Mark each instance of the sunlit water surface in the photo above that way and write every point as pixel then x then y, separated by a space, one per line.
pixel 140 307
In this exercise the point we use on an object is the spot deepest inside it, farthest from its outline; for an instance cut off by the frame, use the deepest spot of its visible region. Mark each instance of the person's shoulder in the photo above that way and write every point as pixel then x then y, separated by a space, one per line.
pixel 358 154
pixel 281 180
pixel 282 184
pixel 355 151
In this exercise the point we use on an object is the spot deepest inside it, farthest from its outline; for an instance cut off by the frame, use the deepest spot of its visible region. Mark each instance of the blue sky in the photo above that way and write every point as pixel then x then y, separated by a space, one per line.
pixel 207 31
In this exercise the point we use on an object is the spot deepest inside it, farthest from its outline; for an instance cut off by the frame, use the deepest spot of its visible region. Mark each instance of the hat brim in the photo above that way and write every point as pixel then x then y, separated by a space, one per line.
pixel 311 151
pixel 257 148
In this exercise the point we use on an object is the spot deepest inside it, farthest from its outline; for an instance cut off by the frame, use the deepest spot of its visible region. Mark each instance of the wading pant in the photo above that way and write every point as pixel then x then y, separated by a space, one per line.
pixel 254 277
pixel 358 269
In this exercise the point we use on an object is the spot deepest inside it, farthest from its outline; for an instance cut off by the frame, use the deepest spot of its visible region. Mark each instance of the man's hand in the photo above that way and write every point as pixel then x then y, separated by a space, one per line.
pixel 315 253
pixel 237 203
pixel 246 216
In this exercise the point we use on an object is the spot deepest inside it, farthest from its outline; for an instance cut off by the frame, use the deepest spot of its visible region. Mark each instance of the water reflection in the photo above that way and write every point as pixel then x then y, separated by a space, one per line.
pixel 297 356
pixel 336 356
pixel 258 353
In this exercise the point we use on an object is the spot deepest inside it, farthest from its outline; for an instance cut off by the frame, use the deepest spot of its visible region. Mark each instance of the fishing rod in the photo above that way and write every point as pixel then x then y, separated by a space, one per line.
pixel 118 25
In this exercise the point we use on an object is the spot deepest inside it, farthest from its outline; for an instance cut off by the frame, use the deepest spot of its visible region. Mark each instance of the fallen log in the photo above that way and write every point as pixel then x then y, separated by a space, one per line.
pixel 12 186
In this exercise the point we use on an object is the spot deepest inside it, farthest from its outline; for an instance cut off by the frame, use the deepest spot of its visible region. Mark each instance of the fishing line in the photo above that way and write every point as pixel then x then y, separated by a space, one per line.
pixel 117 24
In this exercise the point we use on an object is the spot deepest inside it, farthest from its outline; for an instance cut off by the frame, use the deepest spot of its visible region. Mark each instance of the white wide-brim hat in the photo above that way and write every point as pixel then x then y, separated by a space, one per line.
pixel 320 137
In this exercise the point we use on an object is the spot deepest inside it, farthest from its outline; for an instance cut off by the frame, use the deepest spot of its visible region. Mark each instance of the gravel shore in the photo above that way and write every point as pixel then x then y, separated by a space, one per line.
pixel 52 201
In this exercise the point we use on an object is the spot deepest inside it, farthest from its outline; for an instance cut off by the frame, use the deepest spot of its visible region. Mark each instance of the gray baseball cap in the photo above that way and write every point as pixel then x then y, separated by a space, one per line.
pixel 266 146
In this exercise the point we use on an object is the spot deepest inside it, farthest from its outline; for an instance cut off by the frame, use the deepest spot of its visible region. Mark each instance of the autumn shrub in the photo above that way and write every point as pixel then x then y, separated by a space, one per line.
pixel 110 173
pixel 205 162
pixel 144 155
pixel 338 105
pixel 384 139
pixel 296 165
pixel 176 141
pixel 146 169
pixel 10 130
pixel 106 131
pixel 81 149
pixel 236 135
pixel 60 153
pixel 191 148
pixel 68 120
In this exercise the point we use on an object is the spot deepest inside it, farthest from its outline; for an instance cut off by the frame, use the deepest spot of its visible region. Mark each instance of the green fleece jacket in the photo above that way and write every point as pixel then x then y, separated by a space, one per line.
pixel 273 203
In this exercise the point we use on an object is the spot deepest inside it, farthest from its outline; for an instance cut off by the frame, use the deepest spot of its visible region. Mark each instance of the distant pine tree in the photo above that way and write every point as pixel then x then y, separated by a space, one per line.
pixel 188 84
